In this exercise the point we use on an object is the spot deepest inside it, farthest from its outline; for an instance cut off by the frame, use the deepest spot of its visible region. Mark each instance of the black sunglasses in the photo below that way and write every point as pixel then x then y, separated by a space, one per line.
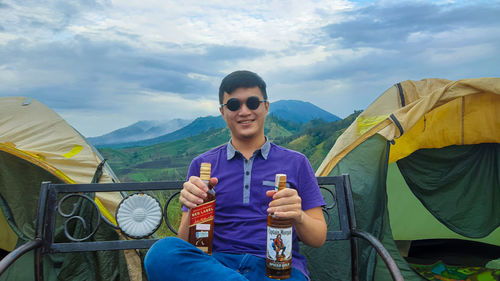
pixel 234 104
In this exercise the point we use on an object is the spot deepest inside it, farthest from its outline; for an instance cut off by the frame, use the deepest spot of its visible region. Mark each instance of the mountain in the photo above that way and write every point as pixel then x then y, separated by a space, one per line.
pixel 291 114
pixel 199 125
pixel 300 111
pixel 170 160
pixel 140 131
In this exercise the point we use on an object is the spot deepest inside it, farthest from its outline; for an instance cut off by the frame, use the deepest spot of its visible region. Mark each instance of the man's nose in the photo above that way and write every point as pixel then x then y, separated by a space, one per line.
pixel 244 109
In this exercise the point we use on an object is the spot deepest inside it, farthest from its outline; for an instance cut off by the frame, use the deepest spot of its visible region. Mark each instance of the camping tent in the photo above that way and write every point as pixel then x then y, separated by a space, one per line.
pixel 37 145
pixel 424 163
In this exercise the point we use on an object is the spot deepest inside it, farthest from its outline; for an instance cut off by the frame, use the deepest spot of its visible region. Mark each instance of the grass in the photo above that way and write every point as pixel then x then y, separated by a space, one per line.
pixel 174 213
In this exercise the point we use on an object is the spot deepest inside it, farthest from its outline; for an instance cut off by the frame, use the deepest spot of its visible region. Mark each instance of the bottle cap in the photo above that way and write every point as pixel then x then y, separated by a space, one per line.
pixel 280 182
pixel 205 170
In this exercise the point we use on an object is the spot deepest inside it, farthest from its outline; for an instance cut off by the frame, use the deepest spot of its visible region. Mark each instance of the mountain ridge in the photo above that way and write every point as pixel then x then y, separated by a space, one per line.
pixel 293 111
pixel 140 130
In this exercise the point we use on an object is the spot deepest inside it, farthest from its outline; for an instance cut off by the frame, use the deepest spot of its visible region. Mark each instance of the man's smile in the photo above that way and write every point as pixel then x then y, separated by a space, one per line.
pixel 245 121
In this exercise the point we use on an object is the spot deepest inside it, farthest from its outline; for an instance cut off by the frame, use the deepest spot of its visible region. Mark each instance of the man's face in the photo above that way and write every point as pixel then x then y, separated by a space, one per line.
pixel 244 123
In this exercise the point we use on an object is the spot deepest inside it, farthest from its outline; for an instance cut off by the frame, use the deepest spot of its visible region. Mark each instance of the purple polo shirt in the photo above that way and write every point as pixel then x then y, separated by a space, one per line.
pixel 241 204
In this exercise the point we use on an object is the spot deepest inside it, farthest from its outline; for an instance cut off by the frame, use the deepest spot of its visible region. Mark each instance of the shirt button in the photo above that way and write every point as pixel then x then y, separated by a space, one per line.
pixel 246 186
pixel 247 173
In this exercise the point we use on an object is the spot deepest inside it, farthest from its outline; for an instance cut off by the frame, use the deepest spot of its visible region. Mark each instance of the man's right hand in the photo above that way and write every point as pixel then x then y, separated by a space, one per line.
pixel 194 191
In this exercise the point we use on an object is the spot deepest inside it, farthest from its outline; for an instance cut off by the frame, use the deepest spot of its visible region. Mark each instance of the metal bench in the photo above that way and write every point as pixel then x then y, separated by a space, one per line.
pixel 53 197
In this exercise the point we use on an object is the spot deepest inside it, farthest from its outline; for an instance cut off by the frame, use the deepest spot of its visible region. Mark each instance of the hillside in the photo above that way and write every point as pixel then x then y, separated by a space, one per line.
pixel 140 131
pixel 170 160
pixel 316 138
pixel 145 133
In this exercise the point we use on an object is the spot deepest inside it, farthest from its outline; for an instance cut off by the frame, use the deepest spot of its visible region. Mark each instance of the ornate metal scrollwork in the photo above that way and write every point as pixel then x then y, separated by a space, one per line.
pixel 165 211
pixel 138 216
pixel 327 208
pixel 73 216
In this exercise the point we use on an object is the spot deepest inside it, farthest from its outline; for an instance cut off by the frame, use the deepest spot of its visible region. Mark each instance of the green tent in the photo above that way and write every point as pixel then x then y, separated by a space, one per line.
pixel 37 145
pixel 424 164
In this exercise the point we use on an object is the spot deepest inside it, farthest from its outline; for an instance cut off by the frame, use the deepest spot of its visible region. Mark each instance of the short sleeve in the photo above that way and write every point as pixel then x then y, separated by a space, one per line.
pixel 308 187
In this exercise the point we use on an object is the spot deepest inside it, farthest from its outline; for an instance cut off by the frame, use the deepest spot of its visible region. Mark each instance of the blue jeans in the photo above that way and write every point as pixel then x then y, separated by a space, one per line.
pixel 172 258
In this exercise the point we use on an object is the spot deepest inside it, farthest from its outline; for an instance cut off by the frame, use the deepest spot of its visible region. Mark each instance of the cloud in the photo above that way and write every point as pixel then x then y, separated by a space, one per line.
pixel 86 68
pixel 391 24
pixel 113 63
pixel 147 105
pixel 409 40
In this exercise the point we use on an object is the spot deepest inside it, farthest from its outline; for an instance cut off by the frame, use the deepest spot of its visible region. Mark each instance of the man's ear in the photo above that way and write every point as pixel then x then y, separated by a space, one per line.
pixel 221 110
pixel 267 106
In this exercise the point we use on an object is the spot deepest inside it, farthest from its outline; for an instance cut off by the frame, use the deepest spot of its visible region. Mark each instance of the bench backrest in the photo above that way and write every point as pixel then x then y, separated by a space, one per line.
pixel 53 198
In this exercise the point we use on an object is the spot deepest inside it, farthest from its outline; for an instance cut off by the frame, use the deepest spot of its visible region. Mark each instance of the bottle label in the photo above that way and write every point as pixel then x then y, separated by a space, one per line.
pixel 203 213
pixel 201 234
pixel 203 226
pixel 279 247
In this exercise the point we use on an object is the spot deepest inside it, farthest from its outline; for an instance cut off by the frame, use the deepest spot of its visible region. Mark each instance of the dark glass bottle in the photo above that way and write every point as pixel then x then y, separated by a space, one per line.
pixel 279 241
pixel 201 220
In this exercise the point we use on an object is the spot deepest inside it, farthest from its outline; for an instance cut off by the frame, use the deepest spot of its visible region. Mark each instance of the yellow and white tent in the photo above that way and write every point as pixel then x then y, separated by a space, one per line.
pixel 37 145
pixel 424 164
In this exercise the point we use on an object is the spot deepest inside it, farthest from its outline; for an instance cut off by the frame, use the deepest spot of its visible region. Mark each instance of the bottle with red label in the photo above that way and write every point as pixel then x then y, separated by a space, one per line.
pixel 279 241
pixel 201 220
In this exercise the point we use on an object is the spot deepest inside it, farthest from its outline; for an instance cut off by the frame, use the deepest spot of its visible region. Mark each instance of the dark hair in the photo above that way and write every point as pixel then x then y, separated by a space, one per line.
pixel 241 79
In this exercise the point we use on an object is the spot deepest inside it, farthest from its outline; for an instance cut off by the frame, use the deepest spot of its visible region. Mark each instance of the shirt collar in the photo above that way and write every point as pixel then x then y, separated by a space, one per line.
pixel 264 150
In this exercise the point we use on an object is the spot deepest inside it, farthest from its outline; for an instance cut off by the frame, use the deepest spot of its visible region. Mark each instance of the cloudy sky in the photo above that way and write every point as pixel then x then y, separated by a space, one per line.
pixel 105 64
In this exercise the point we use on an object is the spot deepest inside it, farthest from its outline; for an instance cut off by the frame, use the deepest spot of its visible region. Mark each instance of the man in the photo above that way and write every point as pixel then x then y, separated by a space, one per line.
pixel 244 171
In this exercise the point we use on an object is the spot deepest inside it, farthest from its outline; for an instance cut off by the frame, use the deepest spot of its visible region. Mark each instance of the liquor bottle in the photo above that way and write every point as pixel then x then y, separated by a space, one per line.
pixel 279 241
pixel 201 220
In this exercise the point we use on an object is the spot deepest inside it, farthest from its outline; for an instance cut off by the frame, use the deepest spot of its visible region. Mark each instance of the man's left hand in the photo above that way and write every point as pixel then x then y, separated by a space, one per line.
pixel 286 204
